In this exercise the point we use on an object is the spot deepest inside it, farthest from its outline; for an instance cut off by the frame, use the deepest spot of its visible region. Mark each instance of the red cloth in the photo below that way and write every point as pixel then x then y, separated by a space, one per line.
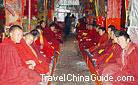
pixel 11 70
pixel 47 49
pixel 102 43
pixel 26 54
pixel 114 9
pixel 94 35
pixel 52 38
pixel 129 69
pixel 91 39
pixel 100 20
pixel 46 60
pixel 103 39
pixel 115 49
pixel 34 9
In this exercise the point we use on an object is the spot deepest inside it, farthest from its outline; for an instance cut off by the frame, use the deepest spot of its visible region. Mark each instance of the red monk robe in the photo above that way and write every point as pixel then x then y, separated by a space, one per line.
pixel 108 57
pixel 26 54
pixel 46 47
pixel 129 68
pixel 50 36
pixel 45 60
pixel 103 51
pixel 102 43
pixel 81 34
pixel 92 38
pixel 103 40
pixel 11 70
pixel 94 35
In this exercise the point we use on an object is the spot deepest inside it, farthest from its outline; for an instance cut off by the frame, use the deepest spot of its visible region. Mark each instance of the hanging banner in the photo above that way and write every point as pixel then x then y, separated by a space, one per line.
pixel 114 9
pixel 114 13
pixel 50 5
pixel 133 13
pixel 13 12
pixel 34 8
pixel 41 5
pixel 133 21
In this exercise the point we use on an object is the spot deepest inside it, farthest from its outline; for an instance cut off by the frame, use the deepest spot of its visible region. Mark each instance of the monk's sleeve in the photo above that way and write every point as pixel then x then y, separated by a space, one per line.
pixel 9 62
pixel 131 70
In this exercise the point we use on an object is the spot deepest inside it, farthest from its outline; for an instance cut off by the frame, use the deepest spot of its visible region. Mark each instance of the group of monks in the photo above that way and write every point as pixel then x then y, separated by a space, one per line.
pixel 24 56
pixel 110 51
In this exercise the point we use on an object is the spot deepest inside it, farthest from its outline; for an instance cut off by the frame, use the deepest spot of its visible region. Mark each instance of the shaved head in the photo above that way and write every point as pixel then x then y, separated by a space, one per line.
pixel 15 27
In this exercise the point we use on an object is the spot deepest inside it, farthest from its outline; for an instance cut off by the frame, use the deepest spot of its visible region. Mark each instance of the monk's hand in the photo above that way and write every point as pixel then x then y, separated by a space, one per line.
pixel 31 67
pixel 41 52
pixel 31 64
pixel 88 39
pixel 94 43
pixel 50 43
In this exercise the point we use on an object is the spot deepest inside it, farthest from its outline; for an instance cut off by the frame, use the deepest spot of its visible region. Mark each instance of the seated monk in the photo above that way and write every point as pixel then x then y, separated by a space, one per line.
pixel 50 34
pixel 94 35
pixel 99 55
pixel 41 65
pixel 104 37
pixel 43 44
pixel 103 53
pixel 12 71
pixel 126 64
pixel 91 38
pixel 103 41
pixel 109 55
pixel 41 56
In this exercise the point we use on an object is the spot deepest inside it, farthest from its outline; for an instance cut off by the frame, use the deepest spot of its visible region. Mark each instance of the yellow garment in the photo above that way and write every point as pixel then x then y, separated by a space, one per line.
pixel 111 55
pixel 41 40
pixel 100 51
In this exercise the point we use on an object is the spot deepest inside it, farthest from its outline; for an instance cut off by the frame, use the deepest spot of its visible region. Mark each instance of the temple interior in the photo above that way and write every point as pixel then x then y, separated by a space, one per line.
pixel 68 42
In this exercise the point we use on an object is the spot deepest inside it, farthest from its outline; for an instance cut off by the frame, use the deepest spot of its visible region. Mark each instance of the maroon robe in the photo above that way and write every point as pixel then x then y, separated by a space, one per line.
pixel 94 35
pixel 101 44
pixel 26 54
pixel 52 38
pixel 108 57
pixel 47 49
pixel 12 71
pixel 129 68
pixel 46 60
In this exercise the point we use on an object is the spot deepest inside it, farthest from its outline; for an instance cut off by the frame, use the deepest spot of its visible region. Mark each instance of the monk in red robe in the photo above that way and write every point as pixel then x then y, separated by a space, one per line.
pixel 50 34
pixel 127 63
pixel 102 41
pixel 12 71
pixel 103 55
pixel 40 55
pixel 41 65
pixel 92 37
pixel 110 54
pixel 44 44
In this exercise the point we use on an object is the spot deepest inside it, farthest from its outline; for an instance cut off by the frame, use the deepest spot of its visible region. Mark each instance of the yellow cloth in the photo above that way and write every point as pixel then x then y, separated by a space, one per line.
pixel 111 55
pixel 41 40
pixel 100 51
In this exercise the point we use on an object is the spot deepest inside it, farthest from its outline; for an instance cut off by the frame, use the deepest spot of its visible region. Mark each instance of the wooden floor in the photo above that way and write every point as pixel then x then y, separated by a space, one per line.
pixel 70 62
